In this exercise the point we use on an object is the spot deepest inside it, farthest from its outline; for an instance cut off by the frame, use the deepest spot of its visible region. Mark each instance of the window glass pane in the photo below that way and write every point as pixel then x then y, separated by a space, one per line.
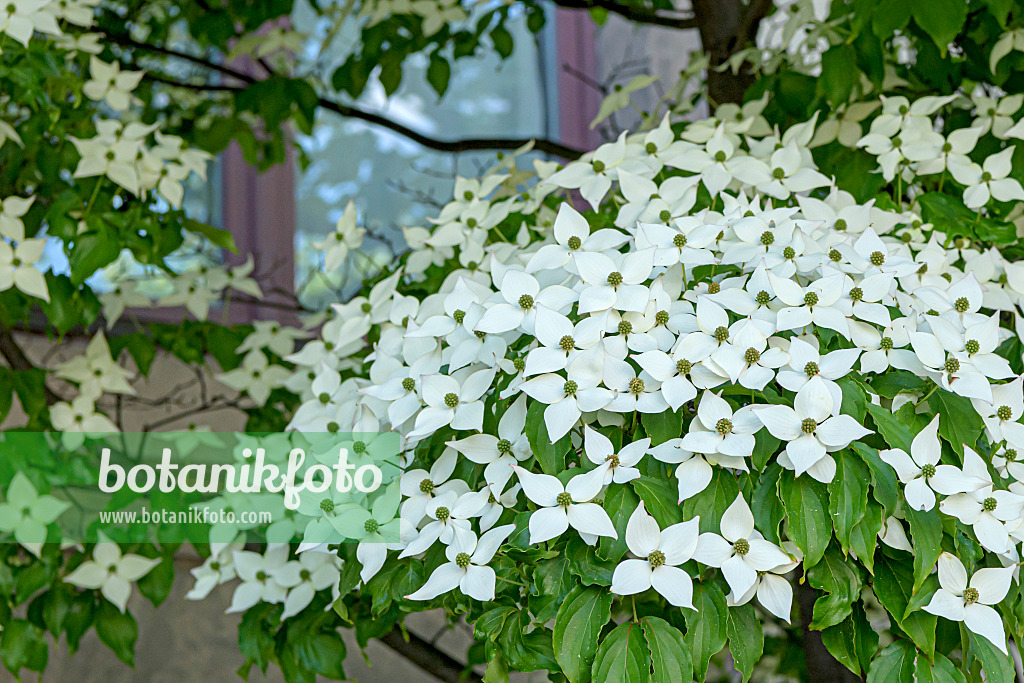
pixel 392 180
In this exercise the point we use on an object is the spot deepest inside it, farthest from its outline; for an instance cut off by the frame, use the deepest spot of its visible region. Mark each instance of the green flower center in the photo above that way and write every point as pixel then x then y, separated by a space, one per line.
pixel 789 252
pixel 661 317
pixel 767 238
pixel 952 365
pixel 971 595
pixel 720 156
pixel 426 486
pixel 840 224
pixel 856 293
pixel 261 575
pixel 451 400
pixel 324 397
pixel 327 505
pixel 504 446
pixel 1004 412
pixel 665 215
pixel 1010 454
pixel 636 386
pixel 650 148
pixel 885 344
pixel 811 369
pixel 366 307
pixel 683 366
pixel 459 316
pixel 567 343
pixel 810 299
pixel 462 560
pixel 835 255
pixel 962 305
pixel 989 504
pixel 752 355
pixel 972 346
pixel 762 298
pixel 371 526
pixel 657 559
pixel 442 513
pixel 808 425
pixel 471 222
pixel 723 426
pixel 570 388
pixel 721 333
pixel 526 302
pixel 563 499
pixel 778 173
pixel 625 327
pixel 679 241
pixel 358 446
pixel 575 243
pixel 598 166
pixel 408 384
pixel 714 288
pixel 986 176
pixel 741 546
pixel 928 471
pixel 877 258
pixel 519 364
pixel 615 279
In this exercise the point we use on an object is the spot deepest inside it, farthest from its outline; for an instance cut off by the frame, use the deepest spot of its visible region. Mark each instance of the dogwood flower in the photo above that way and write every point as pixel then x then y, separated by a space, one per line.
pixel 449 514
pixel 985 509
pixel 500 452
pixel 721 430
pixel 26 514
pixel 111 572
pixel 523 298
pixel 304 577
pixel 256 376
pixel 109 83
pixel 466 567
pixel 773 590
pixel 616 467
pixel 660 553
pixel 740 552
pixel 988 180
pixel 564 506
pixel 347 235
pixel 811 430
pixel 970 602
pixel 449 403
pixel 614 285
pixel 258 574
pixel 569 397
pixel 17 269
pixel 921 472
pixel 807 365
pixel 572 234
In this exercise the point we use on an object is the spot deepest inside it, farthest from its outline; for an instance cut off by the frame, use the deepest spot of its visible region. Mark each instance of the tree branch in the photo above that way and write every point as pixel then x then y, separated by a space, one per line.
pixel 17 360
pixel 449 146
pixel 427 657
pixel 639 15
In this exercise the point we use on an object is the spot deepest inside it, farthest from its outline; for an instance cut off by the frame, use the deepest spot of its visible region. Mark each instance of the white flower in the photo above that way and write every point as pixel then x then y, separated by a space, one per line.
pixel 614 285
pixel 569 397
pixel 811 430
pixel 660 552
pixel 96 372
pixel 449 514
pixel 616 467
pixel 720 430
pixel 27 514
pixel 987 181
pixel 814 304
pixel 17 269
pixel 419 487
pixel 806 365
pixel 523 298
pixel 572 234
pixel 347 235
pixel 562 506
pixel 561 341
pixel 256 376
pixel 921 472
pixel 449 403
pixel 217 569
pixel 593 178
pixel 466 567
pixel 958 600
pixel 1002 413
pixel 746 359
pixel 312 572
pixel 740 552
pixel 111 572
pixel 109 83
pixel 988 511
pixel 773 591
pixel 257 573
pixel 500 452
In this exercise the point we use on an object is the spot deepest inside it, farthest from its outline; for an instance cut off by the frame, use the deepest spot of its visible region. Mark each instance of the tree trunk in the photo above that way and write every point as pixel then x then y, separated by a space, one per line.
pixel 726 27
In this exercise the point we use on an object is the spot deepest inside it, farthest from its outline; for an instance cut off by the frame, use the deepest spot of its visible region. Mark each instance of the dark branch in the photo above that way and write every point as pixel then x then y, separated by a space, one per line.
pixel 639 15
pixel 17 360
pixel 427 657
pixel 349 111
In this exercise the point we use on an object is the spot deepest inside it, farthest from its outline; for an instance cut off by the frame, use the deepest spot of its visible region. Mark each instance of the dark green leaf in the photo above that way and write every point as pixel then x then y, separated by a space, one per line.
pixel 578 626
pixel 848 495
pixel 670 659
pixel 806 502
pixel 853 642
pixel 623 655
pixel 117 630
pixel 551 456
pixel 746 639
pixel 705 626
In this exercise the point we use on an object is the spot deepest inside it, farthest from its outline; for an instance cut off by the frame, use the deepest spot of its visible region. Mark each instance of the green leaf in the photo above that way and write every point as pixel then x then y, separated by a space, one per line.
pixel 502 40
pixel 883 479
pixel 997 666
pixel 439 72
pixel 895 382
pixel 623 655
pixel 663 426
pixel 22 646
pixel 765 446
pixel 895 433
pixel 806 502
pixel 705 626
pixel 659 498
pixel 959 422
pixel 713 501
pixel 619 503
pixel 578 626
pixel 893 586
pixel 926 530
pixel 118 631
pixel 746 639
pixel 952 217
pixel 670 659
pixel 841 581
pixel 854 641
pixel 848 495
pixel 766 504
pixel 940 671
pixel 941 19
pixel 894 665
pixel 864 538
pixel 855 401
pixel 551 456
pixel 838 75
pixel 216 236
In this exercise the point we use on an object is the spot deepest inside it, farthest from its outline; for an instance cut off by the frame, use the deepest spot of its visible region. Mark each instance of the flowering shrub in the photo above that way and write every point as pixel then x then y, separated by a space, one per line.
pixel 643 397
